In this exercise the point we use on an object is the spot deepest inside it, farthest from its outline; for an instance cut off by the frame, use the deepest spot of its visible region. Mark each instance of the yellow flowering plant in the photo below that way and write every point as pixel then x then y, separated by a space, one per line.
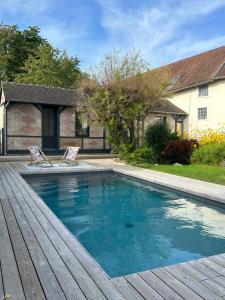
pixel 209 135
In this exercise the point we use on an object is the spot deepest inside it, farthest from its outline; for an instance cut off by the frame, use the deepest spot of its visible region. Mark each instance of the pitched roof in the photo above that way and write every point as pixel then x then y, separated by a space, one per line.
pixel 29 93
pixel 197 69
pixel 167 107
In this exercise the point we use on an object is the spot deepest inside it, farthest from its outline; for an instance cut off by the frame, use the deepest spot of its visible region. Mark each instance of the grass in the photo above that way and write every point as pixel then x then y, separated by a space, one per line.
pixel 202 172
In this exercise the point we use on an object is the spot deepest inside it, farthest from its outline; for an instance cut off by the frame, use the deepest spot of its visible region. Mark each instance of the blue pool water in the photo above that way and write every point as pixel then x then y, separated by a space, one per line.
pixel 130 226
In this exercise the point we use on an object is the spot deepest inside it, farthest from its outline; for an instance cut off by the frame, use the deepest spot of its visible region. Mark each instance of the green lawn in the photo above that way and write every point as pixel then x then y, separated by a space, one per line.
pixel 201 172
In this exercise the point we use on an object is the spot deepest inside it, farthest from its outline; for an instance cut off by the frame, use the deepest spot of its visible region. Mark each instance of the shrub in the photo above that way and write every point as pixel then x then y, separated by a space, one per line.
pixel 142 155
pixel 124 151
pixel 179 151
pixel 213 153
pixel 158 135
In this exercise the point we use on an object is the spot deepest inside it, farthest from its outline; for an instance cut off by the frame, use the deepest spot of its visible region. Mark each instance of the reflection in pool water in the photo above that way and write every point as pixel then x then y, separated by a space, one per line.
pixel 128 226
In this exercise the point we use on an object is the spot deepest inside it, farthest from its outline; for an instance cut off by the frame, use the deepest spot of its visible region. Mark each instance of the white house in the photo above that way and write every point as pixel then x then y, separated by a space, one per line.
pixel 198 88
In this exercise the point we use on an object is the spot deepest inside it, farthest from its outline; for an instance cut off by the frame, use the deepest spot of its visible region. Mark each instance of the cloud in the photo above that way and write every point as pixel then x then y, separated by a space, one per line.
pixel 26 7
pixel 62 27
pixel 187 47
pixel 64 35
pixel 159 31
pixel 163 30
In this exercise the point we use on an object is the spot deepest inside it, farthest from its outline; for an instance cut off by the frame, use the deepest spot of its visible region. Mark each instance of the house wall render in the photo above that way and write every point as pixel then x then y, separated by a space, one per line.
pixel 189 101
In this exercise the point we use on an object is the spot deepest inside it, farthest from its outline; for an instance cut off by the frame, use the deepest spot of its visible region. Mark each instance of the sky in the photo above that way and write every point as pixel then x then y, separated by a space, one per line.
pixel 164 30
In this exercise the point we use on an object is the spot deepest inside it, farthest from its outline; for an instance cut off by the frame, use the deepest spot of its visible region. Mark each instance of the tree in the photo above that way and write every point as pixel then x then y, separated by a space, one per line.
pixel 120 92
pixel 50 67
pixel 15 47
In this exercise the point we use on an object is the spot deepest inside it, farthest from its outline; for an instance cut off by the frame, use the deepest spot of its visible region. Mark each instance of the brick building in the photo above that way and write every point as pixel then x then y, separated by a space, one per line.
pixel 47 117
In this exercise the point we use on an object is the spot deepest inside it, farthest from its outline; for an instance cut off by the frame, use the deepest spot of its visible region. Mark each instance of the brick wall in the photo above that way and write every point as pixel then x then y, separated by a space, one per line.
pixel 67 122
pixel 65 142
pixel 21 143
pixel 96 131
pixel 93 143
pixel 24 119
pixel 24 125
pixel 151 118
pixel 68 135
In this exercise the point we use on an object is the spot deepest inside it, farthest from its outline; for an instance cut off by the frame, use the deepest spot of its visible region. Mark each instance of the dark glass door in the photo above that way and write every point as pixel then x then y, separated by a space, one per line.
pixel 49 128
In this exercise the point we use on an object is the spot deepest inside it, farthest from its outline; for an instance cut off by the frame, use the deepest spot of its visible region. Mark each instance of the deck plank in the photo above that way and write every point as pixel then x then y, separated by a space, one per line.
pixel 126 289
pixel 164 290
pixel 142 287
pixel 92 289
pixel 31 284
pixel 192 283
pixel 209 273
pixel 213 265
pixel 50 263
pixel 88 263
pixel 216 285
pixel 1 284
pixel 190 270
pixel 66 280
pixel 176 284
pixel 47 278
pixel 82 278
pixel 210 283
pixel 218 259
pixel 10 275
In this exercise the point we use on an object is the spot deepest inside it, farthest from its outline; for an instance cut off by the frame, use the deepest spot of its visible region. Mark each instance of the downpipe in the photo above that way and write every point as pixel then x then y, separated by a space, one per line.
pixel 5 126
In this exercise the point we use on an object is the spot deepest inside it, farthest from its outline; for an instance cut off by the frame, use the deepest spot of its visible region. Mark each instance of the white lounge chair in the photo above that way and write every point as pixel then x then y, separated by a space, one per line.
pixel 37 156
pixel 70 155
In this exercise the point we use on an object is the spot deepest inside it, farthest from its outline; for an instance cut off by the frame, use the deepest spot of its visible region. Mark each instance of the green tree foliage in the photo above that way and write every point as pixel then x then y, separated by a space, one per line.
pixel 26 57
pixel 120 91
pixel 50 67
pixel 15 47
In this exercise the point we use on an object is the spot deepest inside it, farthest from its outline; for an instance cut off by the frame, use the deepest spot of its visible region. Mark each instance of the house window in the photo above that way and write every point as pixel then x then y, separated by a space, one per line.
pixel 160 118
pixel 203 91
pixel 202 113
pixel 82 125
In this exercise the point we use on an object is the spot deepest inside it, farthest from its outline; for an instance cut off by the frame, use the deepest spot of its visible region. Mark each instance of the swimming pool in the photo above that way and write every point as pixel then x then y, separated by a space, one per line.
pixel 130 226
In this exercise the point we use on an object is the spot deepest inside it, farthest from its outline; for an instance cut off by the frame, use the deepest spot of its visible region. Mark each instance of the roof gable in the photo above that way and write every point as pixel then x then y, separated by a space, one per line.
pixel 28 93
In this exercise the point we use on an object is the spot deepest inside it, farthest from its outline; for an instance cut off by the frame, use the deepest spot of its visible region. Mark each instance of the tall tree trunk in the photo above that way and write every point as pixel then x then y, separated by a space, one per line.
pixel 132 135
pixel 142 130
pixel 138 132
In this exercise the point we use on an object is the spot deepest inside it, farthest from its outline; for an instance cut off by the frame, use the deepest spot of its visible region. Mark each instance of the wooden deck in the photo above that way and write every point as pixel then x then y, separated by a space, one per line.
pixel 40 259
pixel 199 279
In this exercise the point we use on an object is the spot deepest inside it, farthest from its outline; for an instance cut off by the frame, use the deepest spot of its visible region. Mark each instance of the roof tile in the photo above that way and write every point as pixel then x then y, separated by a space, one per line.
pixel 197 70
pixel 168 108
pixel 29 93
